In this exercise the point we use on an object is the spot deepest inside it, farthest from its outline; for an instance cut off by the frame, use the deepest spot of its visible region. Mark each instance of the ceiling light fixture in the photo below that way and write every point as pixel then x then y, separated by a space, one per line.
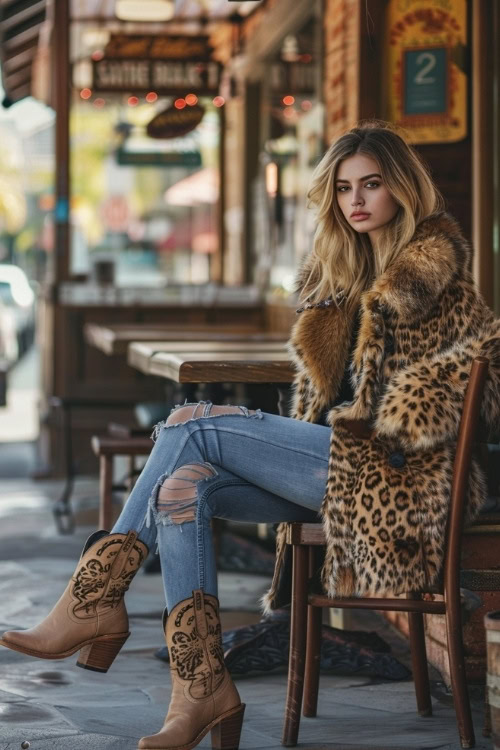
pixel 144 10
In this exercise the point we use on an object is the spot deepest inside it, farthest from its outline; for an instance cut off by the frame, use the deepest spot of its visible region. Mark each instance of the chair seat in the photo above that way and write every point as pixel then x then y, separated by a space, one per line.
pixel 106 445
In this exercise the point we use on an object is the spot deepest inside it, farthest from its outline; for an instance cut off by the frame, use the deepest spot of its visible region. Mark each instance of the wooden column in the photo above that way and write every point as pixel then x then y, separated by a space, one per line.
pixel 496 158
pixel 482 146
pixel 62 93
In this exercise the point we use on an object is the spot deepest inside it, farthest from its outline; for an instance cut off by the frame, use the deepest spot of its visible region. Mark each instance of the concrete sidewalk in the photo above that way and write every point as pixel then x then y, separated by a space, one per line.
pixel 54 704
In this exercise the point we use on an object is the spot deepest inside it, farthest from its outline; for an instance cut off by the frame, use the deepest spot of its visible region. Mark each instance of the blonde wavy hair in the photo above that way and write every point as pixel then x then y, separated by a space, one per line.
pixel 343 259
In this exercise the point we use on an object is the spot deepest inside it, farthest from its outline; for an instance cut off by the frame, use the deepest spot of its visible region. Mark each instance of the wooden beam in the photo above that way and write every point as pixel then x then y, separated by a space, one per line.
pixel 62 89
pixel 31 15
pixel 371 55
pixel 25 37
pixel 482 147
pixel 20 92
pixel 18 78
pixel 281 19
pixel 15 62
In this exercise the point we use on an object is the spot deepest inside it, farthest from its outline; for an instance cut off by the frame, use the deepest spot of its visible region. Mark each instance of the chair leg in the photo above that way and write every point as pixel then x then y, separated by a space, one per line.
pixel 298 634
pixel 105 492
pixel 313 660
pixel 457 671
pixel 419 663
pixel 313 650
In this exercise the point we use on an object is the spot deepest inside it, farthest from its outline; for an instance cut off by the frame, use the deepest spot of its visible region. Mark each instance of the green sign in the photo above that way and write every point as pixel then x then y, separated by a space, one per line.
pixel 426 81
pixel 159 158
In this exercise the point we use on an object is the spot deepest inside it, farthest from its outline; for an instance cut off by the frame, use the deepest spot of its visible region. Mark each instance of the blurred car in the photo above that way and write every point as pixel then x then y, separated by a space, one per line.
pixel 18 298
pixel 9 346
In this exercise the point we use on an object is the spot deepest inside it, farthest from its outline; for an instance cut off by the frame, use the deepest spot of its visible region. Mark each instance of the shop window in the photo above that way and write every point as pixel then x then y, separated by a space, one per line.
pixel 144 210
pixel 293 143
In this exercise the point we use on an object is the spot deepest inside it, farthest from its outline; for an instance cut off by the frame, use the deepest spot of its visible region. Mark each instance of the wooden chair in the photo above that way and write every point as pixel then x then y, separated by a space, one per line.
pixel 305 638
pixel 106 447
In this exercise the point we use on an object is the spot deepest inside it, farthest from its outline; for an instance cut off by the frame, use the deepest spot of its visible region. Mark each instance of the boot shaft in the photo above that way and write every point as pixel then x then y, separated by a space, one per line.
pixel 194 641
pixel 104 573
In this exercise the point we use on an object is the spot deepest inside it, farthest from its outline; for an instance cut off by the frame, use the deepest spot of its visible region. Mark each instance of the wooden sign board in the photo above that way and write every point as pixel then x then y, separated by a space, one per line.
pixel 174 123
pixel 165 77
pixel 146 46
pixel 158 158
pixel 426 76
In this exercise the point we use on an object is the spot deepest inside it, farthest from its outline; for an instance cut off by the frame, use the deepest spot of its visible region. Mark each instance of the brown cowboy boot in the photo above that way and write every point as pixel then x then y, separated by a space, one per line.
pixel 203 694
pixel 91 614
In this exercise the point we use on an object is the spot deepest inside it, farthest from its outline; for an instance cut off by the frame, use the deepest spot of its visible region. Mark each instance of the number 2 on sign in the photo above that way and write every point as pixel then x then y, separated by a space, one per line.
pixel 428 61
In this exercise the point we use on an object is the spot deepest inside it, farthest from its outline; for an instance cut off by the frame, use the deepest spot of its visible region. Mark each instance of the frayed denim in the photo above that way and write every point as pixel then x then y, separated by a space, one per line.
pixel 244 466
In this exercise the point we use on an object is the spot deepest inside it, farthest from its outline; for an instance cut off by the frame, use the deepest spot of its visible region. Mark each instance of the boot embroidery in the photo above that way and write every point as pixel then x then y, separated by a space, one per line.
pixel 187 652
pixel 88 586
pixel 90 581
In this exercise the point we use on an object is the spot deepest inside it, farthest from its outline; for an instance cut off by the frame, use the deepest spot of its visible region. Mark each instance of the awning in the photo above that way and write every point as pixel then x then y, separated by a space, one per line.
pixel 199 187
pixel 20 25
pixel 21 22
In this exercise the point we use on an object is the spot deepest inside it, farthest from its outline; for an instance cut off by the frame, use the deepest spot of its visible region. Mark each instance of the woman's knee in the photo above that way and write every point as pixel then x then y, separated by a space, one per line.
pixel 188 412
pixel 177 495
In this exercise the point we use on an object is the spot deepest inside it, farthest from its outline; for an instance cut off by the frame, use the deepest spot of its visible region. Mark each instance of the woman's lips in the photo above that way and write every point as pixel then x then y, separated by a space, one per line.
pixel 359 217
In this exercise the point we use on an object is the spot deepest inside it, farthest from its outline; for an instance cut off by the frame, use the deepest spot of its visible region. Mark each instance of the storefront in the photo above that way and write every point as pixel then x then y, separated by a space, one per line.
pixel 179 166
pixel 274 136
pixel 145 130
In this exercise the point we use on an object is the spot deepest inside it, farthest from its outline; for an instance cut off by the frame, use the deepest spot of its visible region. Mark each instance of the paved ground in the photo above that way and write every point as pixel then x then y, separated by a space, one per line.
pixel 57 705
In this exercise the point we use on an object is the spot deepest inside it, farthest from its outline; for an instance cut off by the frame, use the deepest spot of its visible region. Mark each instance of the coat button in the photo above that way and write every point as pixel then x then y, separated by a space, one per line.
pixel 397 460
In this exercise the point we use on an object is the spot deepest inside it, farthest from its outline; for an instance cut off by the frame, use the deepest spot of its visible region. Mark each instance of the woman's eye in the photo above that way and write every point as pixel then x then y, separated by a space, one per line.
pixel 342 188
pixel 372 184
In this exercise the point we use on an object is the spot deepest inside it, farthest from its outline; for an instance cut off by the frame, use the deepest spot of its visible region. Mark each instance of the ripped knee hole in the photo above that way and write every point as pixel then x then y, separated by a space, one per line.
pixel 203 409
pixel 177 495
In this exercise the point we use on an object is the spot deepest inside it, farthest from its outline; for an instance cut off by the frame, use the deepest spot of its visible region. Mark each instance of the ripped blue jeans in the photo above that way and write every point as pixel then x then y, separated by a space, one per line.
pixel 243 466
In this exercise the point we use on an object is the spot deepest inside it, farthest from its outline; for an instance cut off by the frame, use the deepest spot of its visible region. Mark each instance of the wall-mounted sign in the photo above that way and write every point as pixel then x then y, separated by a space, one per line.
pixel 166 77
pixel 174 123
pixel 427 80
pixel 426 84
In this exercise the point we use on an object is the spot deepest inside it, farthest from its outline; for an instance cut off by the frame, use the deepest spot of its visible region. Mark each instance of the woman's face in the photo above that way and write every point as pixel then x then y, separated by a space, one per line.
pixel 362 196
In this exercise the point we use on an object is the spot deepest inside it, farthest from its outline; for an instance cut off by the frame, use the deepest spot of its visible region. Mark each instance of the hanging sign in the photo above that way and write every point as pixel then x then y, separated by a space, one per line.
pixel 174 123
pixel 427 79
pixel 158 158
pixel 165 77
pixel 169 65
pixel 134 46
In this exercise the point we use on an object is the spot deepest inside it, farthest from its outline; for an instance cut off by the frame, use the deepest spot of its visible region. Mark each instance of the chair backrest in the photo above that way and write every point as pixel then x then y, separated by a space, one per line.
pixel 463 456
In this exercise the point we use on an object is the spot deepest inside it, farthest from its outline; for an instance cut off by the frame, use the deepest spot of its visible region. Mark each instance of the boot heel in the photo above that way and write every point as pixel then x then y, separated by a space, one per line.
pixel 100 655
pixel 226 734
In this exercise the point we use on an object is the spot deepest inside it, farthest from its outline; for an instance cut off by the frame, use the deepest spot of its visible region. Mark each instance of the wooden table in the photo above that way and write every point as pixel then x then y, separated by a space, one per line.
pixel 258 366
pixel 210 362
pixel 140 354
pixel 115 339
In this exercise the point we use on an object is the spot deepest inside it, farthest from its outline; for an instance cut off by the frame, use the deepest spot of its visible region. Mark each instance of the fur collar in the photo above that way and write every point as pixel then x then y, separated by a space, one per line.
pixel 436 254
pixel 319 341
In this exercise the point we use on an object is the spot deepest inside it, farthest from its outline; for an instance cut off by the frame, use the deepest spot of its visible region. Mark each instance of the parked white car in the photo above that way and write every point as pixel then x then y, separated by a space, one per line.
pixel 9 347
pixel 18 299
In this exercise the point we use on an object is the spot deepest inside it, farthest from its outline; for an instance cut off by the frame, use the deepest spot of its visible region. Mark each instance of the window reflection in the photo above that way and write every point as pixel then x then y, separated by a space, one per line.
pixel 144 209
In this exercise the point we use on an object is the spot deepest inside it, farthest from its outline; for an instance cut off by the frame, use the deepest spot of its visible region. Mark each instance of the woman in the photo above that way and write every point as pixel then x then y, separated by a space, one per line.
pixel 388 325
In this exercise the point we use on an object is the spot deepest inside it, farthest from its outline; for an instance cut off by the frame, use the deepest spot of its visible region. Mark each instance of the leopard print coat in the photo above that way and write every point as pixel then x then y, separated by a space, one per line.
pixel 385 507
